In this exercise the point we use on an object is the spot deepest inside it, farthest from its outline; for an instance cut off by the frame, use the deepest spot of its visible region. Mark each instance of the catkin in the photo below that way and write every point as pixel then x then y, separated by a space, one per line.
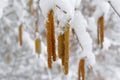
pixel 81 70
pixel 38 46
pixel 53 35
pixel 8 58
pixel 49 45
pixel 60 45
pixel 49 40
pixel 20 35
pixel 101 31
pixel 30 4
pixel 66 51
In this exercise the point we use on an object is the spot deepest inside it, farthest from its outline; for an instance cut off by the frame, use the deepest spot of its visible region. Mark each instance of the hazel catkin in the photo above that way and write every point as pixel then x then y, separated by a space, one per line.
pixel 38 46
pixel 20 35
pixel 81 70
pixel 100 31
pixel 66 51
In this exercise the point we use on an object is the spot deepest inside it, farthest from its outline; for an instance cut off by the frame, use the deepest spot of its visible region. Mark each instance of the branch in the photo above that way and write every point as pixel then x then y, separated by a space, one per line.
pixel 114 8
pixel 77 39
pixel 61 9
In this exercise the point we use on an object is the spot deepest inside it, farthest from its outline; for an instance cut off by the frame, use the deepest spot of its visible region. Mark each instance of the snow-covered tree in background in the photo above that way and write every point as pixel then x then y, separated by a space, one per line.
pixel 27 25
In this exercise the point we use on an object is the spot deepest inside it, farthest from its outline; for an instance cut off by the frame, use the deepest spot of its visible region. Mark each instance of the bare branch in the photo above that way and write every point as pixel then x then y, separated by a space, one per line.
pixel 61 9
pixel 114 8
pixel 77 39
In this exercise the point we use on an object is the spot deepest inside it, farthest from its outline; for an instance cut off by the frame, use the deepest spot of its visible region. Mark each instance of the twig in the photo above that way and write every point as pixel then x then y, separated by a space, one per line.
pixel 61 9
pixel 39 6
pixel 78 40
pixel 114 8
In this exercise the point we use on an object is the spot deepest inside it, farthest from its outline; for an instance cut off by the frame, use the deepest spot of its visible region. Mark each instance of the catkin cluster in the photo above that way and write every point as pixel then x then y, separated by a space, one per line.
pixel 101 31
pixel 63 48
pixel 51 48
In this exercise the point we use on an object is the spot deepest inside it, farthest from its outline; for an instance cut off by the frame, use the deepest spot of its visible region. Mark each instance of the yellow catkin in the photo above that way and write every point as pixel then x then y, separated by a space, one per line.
pixel 49 39
pixel 32 11
pixel 20 34
pixel 30 4
pixel 38 46
pixel 8 58
pixel 101 31
pixel 81 70
pixel 60 45
pixel 63 56
pixel 53 35
pixel 66 56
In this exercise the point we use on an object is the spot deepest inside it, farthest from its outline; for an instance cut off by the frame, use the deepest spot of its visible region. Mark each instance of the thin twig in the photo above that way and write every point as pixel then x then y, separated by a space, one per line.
pixel 114 8
pixel 39 6
pixel 61 9
pixel 78 40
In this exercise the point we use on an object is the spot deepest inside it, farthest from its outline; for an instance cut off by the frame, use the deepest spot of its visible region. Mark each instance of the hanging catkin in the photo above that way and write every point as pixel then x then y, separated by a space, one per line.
pixel 101 31
pixel 20 35
pixel 53 35
pixel 60 45
pixel 81 70
pixel 30 3
pixel 31 9
pixel 38 46
pixel 66 51
pixel 8 58
pixel 49 39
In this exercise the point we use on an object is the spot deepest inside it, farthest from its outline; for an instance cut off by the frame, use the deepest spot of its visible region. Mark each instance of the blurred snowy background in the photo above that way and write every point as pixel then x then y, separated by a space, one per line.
pixel 21 62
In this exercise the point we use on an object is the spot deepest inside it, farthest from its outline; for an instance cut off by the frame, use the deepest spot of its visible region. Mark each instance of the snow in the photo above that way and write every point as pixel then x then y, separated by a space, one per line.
pixel 102 9
pixel 79 24
pixel 92 27
pixel 46 5
pixel 3 4
pixel 106 44
pixel 116 5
